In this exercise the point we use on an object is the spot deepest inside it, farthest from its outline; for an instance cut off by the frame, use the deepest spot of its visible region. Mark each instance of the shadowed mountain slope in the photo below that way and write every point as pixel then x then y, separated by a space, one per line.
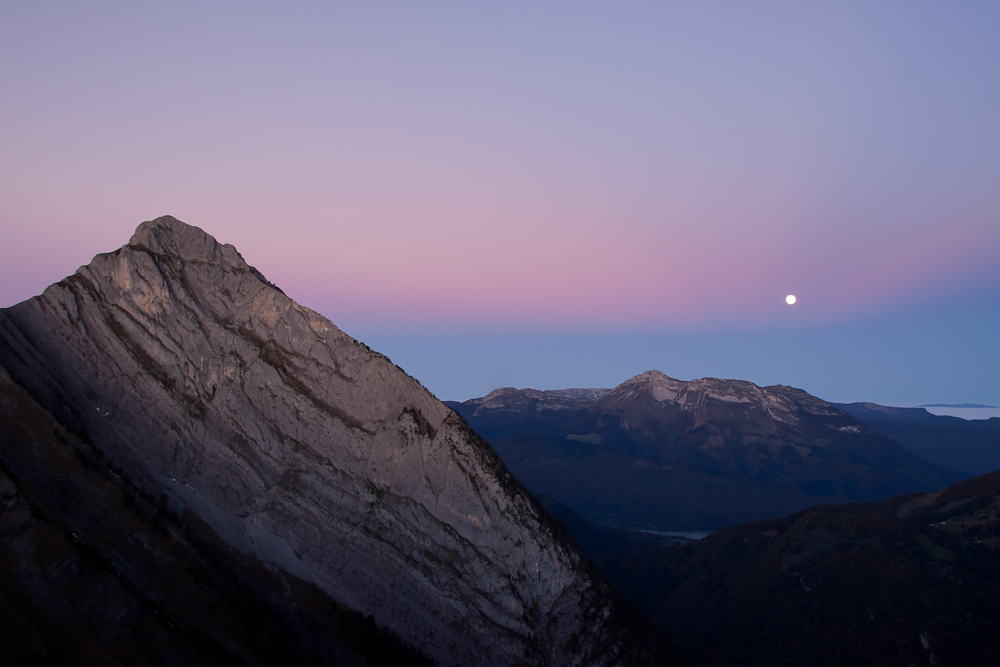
pixel 294 446
pixel 968 446
pixel 93 570
pixel 912 580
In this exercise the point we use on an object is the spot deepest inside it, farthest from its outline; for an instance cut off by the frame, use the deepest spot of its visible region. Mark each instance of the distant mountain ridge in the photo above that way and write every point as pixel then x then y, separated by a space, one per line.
pixel 674 453
pixel 875 412
pixel 955 405
pixel 969 446
pixel 509 398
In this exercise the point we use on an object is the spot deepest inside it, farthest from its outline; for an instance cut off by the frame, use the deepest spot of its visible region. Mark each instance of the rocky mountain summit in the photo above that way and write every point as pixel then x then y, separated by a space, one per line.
pixel 706 400
pixel 293 446
pixel 672 453
pixel 509 399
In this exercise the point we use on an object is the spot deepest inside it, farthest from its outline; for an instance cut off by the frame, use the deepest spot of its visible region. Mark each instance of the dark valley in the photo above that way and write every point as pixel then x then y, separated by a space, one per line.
pixel 912 580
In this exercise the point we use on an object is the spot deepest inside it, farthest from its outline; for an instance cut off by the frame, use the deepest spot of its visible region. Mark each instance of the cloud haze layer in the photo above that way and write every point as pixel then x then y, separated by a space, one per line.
pixel 568 169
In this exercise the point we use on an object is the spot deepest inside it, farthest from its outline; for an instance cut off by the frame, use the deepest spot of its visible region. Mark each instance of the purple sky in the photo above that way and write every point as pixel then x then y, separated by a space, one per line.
pixel 544 194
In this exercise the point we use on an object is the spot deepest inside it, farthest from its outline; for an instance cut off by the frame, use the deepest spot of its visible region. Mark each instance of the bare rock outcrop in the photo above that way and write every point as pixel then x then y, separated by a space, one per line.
pixel 299 445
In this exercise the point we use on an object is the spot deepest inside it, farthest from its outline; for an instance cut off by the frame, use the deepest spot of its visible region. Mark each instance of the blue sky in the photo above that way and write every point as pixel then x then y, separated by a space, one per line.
pixel 922 355
pixel 544 194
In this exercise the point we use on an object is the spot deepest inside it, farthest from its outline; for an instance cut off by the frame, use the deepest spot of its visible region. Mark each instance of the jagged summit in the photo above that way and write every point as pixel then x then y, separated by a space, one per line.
pixel 170 236
pixel 712 399
pixel 303 448
pixel 656 384
pixel 509 398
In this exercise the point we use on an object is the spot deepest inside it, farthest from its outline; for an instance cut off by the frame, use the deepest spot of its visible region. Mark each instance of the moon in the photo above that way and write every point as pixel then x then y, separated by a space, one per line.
pixel 790 299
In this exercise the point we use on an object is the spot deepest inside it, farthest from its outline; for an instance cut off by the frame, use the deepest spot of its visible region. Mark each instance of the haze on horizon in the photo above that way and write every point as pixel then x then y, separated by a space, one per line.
pixel 548 196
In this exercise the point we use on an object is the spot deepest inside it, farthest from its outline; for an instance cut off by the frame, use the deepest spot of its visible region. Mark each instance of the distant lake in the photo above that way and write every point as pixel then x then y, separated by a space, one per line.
pixel 687 535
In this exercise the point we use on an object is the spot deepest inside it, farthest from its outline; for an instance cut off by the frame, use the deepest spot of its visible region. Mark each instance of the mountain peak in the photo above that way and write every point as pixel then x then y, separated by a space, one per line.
pixel 659 385
pixel 302 448
pixel 696 454
pixel 651 376
pixel 169 236
pixel 509 398
pixel 709 398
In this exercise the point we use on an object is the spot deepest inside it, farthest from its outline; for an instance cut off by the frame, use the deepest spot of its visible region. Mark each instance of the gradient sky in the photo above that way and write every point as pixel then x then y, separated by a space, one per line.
pixel 544 194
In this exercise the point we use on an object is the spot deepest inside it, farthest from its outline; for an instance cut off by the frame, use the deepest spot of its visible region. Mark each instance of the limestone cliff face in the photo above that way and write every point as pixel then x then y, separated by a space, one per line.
pixel 298 444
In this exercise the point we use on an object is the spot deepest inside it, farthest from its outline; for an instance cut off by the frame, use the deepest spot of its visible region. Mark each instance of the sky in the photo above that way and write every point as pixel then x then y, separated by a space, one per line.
pixel 547 194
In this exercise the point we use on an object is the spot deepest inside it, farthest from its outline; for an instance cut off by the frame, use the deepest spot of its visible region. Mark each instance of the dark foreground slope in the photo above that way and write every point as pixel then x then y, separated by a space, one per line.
pixel 662 454
pixel 93 570
pixel 913 580
pixel 310 464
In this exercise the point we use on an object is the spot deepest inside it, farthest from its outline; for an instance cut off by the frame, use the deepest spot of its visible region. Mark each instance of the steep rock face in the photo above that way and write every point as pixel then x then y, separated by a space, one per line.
pixel 95 571
pixel 299 445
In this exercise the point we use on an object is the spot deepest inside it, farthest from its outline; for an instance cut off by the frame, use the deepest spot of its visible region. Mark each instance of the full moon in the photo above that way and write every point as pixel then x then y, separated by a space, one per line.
pixel 790 299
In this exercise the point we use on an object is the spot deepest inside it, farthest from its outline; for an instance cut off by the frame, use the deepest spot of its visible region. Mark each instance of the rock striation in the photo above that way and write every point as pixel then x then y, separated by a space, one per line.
pixel 301 447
